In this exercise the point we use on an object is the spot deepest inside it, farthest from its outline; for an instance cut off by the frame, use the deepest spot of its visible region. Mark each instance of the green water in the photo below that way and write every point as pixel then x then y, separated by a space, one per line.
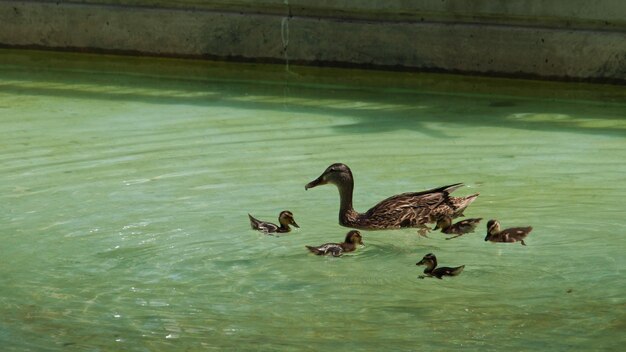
pixel 126 184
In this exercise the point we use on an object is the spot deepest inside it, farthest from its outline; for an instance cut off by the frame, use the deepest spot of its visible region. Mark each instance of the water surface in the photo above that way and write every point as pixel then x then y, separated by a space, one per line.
pixel 126 184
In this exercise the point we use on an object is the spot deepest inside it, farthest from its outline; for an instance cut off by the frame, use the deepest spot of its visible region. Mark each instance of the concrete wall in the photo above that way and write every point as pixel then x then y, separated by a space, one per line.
pixel 557 39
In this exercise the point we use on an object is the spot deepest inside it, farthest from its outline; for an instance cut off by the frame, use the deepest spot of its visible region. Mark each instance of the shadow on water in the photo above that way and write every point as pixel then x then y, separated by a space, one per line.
pixel 525 115
pixel 375 109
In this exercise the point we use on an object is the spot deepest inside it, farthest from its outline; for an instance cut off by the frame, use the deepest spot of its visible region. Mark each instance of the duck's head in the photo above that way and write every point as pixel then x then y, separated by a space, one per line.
pixel 337 174
pixel 493 227
pixel 429 260
pixel 354 237
pixel 443 223
pixel 286 218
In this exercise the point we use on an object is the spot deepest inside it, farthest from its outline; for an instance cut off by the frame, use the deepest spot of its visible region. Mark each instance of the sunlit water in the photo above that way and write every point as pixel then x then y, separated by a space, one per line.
pixel 126 184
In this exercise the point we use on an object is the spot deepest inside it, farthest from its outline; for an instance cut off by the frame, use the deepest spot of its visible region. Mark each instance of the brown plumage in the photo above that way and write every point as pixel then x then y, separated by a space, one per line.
pixel 514 234
pixel 337 249
pixel 414 209
pixel 458 228
pixel 430 261
pixel 285 218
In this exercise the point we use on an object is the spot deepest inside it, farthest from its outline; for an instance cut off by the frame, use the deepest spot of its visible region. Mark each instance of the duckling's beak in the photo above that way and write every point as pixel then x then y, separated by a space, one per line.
pixel 421 262
pixel 436 227
pixel 487 238
pixel 318 181
pixel 293 222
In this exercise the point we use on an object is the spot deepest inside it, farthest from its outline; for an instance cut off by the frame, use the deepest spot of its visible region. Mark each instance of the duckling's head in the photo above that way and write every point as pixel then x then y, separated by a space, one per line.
pixel 429 260
pixel 337 174
pixel 493 227
pixel 354 237
pixel 286 218
pixel 443 223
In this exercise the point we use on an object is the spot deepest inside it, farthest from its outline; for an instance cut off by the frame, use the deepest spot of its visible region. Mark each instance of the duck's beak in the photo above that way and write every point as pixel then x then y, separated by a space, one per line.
pixel 436 227
pixel 487 238
pixel 294 223
pixel 421 262
pixel 318 181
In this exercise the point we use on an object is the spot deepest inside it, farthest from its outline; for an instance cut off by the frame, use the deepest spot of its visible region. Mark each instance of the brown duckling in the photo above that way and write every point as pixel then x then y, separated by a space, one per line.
pixel 430 261
pixel 337 249
pixel 284 219
pixel 514 234
pixel 413 209
pixel 459 228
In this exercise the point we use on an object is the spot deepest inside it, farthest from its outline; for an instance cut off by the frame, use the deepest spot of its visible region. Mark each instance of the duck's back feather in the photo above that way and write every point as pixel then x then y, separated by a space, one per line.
pixel 517 232
pixel 266 227
pixel 408 209
pixel 333 249
pixel 254 223
pixel 462 227
pixel 447 271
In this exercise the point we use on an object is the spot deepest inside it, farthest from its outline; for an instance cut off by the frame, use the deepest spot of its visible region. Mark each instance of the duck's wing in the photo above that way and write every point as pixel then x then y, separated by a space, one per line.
pixel 466 226
pixel 410 209
pixel 517 232
pixel 327 248
pixel 446 271
pixel 266 227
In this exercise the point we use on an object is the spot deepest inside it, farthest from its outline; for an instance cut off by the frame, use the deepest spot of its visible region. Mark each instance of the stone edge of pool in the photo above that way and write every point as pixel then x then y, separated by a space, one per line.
pixel 429 39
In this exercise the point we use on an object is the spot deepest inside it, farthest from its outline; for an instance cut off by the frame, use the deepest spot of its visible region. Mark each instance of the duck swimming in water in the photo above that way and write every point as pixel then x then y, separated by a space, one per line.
pixel 337 249
pixel 514 234
pixel 414 209
pixel 284 219
pixel 459 228
pixel 430 261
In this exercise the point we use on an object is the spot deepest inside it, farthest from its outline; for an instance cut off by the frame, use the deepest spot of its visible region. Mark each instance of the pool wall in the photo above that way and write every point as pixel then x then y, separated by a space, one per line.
pixel 560 39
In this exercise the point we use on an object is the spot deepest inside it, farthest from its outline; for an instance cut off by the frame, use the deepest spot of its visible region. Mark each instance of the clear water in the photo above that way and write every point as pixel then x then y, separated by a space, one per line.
pixel 126 184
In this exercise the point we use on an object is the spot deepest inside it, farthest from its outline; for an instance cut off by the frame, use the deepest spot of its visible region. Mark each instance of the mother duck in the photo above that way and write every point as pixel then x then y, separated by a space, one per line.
pixel 413 209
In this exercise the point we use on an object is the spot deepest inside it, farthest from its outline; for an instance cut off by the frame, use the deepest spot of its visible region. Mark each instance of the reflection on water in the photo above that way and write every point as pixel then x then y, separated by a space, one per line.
pixel 126 184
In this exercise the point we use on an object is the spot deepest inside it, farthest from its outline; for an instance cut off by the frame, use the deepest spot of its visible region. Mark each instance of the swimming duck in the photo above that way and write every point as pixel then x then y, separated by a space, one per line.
pixel 514 234
pixel 337 249
pixel 284 219
pixel 459 228
pixel 432 271
pixel 414 209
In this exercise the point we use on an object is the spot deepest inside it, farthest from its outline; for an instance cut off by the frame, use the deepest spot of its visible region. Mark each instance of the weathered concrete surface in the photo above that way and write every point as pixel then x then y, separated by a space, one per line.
pixel 140 30
pixel 586 41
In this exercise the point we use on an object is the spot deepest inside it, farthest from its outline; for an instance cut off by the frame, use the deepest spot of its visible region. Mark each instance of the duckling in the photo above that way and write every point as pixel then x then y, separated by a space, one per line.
pixel 432 271
pixel 413 209
pixel 285 219
pixel 459 228
pixel 337 249
pixel 514 234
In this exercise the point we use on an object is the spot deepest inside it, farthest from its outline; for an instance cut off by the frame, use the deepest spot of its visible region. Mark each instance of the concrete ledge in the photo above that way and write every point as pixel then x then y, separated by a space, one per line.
pixel 486 48
pixel 579 14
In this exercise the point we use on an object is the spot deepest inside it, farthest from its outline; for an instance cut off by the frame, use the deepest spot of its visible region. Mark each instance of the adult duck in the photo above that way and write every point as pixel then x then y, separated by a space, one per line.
pixel 414 209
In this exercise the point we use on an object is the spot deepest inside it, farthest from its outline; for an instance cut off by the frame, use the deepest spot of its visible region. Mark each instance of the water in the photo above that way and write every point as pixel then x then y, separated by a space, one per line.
pixel 126 184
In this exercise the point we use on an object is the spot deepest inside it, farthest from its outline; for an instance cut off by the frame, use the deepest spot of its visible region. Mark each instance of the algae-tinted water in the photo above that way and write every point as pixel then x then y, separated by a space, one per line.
pixel 126 184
